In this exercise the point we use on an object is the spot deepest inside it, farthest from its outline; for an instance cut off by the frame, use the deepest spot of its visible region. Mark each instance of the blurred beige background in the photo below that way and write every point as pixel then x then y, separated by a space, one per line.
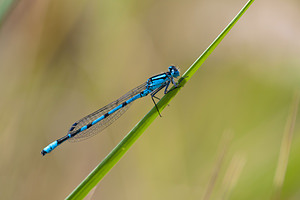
pixel 61 60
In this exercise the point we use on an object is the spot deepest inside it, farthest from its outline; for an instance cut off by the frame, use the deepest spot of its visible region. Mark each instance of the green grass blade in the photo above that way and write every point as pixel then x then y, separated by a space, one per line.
pixel 116 154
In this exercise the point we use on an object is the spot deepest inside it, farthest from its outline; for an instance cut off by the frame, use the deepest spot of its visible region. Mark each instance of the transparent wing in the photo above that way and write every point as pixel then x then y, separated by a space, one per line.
pixel 98 127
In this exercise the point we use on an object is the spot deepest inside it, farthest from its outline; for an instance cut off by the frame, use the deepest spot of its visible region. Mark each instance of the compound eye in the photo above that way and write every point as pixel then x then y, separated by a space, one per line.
pixel 172 68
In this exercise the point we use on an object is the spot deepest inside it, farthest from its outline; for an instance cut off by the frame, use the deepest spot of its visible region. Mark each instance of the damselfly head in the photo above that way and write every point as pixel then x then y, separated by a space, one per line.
pixel 174 71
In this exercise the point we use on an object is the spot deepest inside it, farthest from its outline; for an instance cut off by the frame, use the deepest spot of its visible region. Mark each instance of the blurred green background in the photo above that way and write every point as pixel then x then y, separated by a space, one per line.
pixel 220 137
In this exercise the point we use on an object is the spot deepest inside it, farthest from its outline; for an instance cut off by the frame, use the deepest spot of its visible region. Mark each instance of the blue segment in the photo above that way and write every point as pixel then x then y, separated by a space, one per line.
pixel 83 128
pixel 109 113
pixel 145 93
pixel 134 98
pixel 49 148
pixel 115 109
pixel 97 120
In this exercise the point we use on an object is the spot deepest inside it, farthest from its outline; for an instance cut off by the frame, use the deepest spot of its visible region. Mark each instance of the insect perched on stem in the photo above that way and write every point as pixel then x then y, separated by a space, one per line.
pixel 102 118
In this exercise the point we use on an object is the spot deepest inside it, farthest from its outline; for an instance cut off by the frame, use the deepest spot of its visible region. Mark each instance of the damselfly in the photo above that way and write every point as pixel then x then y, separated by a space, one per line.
pixel 102 118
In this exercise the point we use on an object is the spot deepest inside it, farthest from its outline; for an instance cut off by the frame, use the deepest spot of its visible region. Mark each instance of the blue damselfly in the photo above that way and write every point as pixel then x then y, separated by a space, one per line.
pixel 102 118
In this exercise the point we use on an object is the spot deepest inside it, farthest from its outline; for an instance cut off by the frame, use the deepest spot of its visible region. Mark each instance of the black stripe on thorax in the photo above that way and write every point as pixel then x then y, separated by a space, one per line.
pixel 158 75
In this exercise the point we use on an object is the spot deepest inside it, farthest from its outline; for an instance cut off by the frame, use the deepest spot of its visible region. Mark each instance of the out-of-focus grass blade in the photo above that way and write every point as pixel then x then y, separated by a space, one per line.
pixel 116 154
pixel 5 6
pixel 286 144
